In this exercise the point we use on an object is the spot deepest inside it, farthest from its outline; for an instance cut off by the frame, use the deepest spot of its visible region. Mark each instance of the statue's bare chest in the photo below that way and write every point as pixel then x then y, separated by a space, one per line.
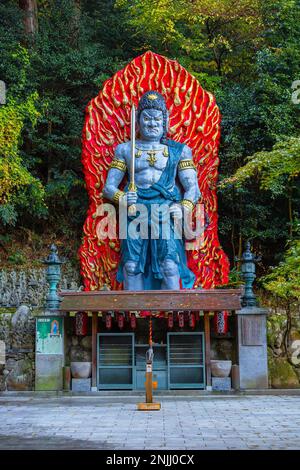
pixel 150 159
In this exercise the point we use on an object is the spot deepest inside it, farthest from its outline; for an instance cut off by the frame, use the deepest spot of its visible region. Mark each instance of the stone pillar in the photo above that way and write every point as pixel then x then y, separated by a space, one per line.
pixel 252 330
pixel 252 348
pixel 49 353
pixel 50 348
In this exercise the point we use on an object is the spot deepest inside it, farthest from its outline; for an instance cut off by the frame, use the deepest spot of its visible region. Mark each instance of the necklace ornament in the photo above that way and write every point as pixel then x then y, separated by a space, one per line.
pixel 152 158
pixel 151 153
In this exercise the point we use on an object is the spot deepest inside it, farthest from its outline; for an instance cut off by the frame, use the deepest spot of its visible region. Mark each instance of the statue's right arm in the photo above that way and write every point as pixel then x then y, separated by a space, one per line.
pixel 115 175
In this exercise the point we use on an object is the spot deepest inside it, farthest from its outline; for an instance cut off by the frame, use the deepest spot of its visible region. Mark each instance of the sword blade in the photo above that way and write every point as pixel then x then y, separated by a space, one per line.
pixel 132 138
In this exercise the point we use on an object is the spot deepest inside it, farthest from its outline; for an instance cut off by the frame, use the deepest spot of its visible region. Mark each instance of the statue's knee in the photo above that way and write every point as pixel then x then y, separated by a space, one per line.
pixel 130 268
pixel 169 268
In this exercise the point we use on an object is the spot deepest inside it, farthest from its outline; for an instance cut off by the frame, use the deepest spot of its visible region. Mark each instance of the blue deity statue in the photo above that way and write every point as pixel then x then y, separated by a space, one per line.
pixel 164 174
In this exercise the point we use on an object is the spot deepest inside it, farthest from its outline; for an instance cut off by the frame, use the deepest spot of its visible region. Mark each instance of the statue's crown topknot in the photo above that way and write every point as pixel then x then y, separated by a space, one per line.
pixel 152 96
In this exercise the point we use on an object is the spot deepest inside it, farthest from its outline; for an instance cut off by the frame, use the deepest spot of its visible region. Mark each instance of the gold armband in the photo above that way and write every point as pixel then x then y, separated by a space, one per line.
pixel 186 165
pixel 119 164
pixel 118 194
pixel 188 204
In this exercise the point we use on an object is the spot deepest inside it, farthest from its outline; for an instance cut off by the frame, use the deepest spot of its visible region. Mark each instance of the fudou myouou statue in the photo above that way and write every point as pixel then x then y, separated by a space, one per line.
pixel 163 176
pixel 164 157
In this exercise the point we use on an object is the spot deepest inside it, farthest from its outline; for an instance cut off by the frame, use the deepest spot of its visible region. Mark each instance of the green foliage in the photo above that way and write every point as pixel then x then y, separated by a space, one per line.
pixel 274 169
pixel 17 257
pixel 15 178
pixel 207 32
pixel 284 279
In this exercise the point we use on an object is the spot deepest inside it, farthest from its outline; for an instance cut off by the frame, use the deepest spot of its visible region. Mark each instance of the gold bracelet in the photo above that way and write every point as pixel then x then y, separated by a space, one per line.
pixel 118 194
pixel 189 204
pixel 186 165
pixel 119 164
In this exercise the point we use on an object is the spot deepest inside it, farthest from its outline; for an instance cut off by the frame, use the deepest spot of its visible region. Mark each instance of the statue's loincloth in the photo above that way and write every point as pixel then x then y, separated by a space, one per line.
pixel 148 253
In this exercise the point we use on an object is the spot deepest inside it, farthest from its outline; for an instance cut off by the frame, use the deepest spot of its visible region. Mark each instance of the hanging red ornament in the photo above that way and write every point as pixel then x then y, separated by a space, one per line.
pixel 133 321
pixel 108 321
pixel 170 321
pixel 181 320
pixel 192 320
pixel 121 321
pixel 145 313
pixel 221 323
pixel 81 323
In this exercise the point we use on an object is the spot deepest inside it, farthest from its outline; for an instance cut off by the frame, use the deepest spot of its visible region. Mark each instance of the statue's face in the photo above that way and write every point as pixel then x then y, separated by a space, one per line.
pixel 151 124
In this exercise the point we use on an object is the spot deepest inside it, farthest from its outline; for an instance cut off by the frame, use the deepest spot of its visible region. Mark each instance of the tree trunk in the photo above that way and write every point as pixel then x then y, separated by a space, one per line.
pixel 290 209
pixel 30 16
pixel 287 333
pixel 75 23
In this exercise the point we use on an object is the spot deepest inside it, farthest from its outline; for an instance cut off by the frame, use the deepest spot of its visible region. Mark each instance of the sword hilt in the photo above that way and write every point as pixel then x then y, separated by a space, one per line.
pixel 132 207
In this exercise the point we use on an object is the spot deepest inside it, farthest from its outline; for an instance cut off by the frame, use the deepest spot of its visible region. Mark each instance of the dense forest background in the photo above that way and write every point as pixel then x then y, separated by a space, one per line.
pixel 55 56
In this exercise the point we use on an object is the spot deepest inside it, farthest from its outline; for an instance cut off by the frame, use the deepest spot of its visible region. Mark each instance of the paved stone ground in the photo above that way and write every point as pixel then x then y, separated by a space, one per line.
pixel 223 422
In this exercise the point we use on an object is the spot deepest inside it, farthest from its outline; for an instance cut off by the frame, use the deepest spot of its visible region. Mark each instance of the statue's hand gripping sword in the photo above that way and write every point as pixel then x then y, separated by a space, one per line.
pixel 132 186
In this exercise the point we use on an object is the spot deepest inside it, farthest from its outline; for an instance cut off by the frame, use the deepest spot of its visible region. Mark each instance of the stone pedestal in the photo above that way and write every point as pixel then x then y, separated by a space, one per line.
pixel 252 348
pixel 49 356
pixel 221 384
pixel 81 385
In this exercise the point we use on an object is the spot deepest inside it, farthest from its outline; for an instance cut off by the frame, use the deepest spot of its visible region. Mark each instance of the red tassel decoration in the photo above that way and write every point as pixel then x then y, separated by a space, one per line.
pixel 81 324
pixel 181 320
pixel 221 323
pixel 121 321
pixel 108 321
pixel 192 320
pixel 133 321
pixel 170 321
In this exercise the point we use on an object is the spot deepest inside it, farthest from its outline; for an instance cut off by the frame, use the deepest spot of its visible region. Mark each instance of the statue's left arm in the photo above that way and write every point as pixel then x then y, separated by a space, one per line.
pixel 188 178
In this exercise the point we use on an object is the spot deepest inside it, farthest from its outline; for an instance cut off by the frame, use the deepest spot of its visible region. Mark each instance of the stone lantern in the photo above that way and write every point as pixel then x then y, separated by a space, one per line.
pixel 252 334
pixel 50 331
pixel 53 274
pixel 248 261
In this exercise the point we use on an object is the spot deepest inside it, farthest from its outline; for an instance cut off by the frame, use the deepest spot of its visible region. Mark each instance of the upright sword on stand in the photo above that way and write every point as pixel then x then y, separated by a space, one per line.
pixel 132 186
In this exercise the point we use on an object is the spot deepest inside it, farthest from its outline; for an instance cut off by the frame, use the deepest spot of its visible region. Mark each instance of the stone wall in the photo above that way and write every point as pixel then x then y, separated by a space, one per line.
pixel 79 349
pixel 18 333
pixel 23 292
pixel 284 370
pixel 30 287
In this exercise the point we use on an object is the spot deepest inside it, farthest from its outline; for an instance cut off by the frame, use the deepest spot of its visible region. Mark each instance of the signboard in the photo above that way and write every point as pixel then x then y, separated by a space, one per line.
pixel 49 338
pixel 252 331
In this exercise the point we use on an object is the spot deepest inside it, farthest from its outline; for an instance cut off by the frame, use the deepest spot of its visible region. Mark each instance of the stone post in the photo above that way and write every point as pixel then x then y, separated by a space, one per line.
pixel 50 348
pixel 252 332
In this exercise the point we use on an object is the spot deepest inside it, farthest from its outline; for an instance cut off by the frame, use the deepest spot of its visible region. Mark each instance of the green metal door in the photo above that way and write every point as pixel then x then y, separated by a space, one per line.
pixel 115 361
pixel 186 362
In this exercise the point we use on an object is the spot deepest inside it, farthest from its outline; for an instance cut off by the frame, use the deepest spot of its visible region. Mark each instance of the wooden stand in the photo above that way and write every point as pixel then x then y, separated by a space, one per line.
pixel 94 351
pixel 207 349
pixel 149 405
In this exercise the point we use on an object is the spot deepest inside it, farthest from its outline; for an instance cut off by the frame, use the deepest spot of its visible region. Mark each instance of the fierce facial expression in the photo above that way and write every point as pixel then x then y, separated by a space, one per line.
pixel 151 125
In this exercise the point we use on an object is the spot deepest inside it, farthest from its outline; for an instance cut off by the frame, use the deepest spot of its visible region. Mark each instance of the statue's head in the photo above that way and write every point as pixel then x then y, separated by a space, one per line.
pixel 152 116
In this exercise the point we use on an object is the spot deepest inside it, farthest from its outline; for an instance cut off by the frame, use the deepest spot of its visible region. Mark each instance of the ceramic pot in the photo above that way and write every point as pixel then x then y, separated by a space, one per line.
pixel 220 368
pixel 81 370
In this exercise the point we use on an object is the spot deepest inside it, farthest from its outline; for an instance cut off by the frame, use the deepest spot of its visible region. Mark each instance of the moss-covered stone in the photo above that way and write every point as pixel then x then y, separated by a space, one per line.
pixel 282 374
pixel 7 310
pixel 48 383
pixel 295 335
